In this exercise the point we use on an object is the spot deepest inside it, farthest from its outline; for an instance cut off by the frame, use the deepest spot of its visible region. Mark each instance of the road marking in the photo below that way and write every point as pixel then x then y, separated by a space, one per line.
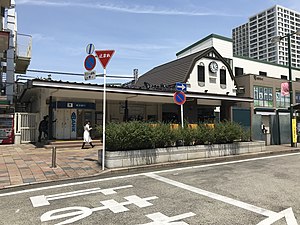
pixel 78 212
pixel 140 174
pixel 272 216
pixel 221 198
pixel 161 219
pixel 288 214
pixel 42 200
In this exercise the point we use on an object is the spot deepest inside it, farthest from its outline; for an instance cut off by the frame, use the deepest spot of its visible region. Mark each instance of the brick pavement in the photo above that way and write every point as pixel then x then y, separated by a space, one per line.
pixel 25 164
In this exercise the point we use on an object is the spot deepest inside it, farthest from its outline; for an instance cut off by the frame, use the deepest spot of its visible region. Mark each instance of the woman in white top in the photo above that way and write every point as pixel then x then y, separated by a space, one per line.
pixel 86 135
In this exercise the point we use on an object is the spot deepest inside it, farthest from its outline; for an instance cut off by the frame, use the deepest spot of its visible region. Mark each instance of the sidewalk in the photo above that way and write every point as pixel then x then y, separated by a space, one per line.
pixel 25 164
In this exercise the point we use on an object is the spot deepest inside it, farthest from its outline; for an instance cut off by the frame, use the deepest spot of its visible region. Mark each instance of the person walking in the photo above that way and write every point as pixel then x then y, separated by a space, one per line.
pixel 43 128
pixel 86 135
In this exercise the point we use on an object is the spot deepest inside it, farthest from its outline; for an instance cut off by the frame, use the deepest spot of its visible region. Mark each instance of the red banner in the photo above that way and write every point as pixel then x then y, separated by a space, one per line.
pixel 285 89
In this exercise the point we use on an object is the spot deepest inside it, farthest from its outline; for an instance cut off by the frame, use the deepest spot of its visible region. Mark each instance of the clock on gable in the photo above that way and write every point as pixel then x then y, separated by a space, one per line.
pixel 213 67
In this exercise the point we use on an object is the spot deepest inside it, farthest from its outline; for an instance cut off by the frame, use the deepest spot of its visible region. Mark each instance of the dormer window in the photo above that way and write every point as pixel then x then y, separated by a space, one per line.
pixel 201 73
pixel 223 76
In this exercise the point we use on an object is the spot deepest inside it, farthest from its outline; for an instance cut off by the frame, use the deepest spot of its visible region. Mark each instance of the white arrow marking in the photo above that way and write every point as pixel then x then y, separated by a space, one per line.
pixel 272 216
pixel 287 214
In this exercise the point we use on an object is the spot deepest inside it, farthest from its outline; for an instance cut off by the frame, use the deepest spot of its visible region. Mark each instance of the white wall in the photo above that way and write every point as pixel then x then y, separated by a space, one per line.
pixel 212 87
pixel 206 44
pixel 222 46
pixel 252 67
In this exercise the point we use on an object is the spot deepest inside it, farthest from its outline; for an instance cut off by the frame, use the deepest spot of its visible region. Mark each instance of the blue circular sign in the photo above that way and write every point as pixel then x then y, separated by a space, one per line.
pixel 179 98
pixel 90 62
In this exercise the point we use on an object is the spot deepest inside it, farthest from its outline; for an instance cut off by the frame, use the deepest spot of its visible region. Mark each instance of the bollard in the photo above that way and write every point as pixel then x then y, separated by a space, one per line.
pixel 53 157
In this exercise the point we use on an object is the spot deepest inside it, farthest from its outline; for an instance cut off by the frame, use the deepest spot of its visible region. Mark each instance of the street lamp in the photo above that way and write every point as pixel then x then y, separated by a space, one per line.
pixel 278 39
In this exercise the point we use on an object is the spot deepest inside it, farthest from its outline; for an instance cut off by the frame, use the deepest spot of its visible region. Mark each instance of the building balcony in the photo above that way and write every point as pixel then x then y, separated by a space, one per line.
pixel 23 53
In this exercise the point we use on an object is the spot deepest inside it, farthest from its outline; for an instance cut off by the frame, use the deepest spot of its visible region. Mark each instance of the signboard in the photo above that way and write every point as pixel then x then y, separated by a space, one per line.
pixel 90 49
pixel 179 98
pixel 73 124
pixel 181 87
pixel 104 56
pixel 73 105
pixel 90 75
pixel 90 62
pixel 294 131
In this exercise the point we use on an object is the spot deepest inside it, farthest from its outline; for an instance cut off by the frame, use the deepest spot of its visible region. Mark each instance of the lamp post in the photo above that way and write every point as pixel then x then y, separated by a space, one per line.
pixel 278 39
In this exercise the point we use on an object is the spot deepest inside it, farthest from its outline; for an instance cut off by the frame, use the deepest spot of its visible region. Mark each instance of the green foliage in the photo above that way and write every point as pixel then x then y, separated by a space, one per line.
pixel 128 136
pixel 163 136
pixel 141 135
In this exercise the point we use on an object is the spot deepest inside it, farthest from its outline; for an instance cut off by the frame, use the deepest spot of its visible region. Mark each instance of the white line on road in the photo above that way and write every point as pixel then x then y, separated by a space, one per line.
pixel 141 174
pixel 42 200
pixel 272 216
pixel 221 198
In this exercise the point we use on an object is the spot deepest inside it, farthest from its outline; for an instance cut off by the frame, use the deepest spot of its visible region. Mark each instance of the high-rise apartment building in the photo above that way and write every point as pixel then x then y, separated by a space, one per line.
pixel 254 39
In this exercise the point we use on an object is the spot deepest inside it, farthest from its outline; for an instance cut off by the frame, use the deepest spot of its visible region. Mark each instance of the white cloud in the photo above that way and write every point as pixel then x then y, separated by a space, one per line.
pixel 136 9
pixel 41 37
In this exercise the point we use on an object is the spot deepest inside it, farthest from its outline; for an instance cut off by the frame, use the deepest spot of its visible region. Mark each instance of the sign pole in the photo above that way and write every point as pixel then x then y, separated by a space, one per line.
pixel 104 109
pixel 181 109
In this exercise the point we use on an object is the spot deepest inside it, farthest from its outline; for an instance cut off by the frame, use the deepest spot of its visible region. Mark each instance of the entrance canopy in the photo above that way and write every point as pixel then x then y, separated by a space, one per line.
pixel 95 92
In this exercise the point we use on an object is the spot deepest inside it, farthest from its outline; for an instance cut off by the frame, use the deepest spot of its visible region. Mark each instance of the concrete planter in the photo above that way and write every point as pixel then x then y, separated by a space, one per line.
pixel 116 159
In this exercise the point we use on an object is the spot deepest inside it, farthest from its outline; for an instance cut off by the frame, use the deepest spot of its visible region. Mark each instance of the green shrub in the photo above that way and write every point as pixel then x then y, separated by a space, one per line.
pixel 188 135
pixel 163 136
pixel 141 135
pixel 204 135
pixel 128 136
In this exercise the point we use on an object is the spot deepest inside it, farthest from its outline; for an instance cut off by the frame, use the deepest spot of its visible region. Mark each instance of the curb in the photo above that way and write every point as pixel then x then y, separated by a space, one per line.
pixel 161 165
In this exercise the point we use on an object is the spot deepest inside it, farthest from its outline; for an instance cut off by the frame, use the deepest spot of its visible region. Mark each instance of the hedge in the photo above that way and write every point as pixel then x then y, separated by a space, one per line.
pixel 141 135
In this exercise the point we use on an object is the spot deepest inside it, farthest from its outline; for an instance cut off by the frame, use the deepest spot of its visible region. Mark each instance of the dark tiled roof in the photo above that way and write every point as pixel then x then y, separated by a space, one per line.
pixel 171 72
pixel 179 69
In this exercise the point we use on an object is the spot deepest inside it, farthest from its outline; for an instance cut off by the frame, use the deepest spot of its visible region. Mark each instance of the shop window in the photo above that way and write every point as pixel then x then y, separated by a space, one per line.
pixel 263 96
pixel 281 100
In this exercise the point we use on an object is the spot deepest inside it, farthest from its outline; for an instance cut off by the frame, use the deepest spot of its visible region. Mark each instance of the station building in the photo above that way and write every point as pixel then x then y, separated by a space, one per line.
pixel 220 86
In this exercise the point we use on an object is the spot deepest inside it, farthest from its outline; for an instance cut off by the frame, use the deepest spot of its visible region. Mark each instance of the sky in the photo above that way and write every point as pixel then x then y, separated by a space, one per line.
pixel 143 33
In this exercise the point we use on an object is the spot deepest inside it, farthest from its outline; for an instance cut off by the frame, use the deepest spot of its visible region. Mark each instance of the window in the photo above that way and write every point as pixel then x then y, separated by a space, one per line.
pixel 263 96
pixel 283 77
pixel 261 73
pixel 222 76
pixel 297 97
pixel 238 71
pixel 281 100
pixel 201 73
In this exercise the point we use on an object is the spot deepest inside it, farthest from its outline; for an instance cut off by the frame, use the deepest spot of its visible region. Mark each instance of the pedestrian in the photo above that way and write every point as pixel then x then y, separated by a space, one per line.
pixel 86 135
pixel 43 128
pixel 263 128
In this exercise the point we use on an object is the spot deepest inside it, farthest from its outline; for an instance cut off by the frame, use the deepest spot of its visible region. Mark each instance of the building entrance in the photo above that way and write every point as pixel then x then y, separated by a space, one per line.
pixel 66 124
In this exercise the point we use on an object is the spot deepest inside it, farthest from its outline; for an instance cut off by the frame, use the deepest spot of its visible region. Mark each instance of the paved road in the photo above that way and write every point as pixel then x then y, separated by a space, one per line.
pixel 255 191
